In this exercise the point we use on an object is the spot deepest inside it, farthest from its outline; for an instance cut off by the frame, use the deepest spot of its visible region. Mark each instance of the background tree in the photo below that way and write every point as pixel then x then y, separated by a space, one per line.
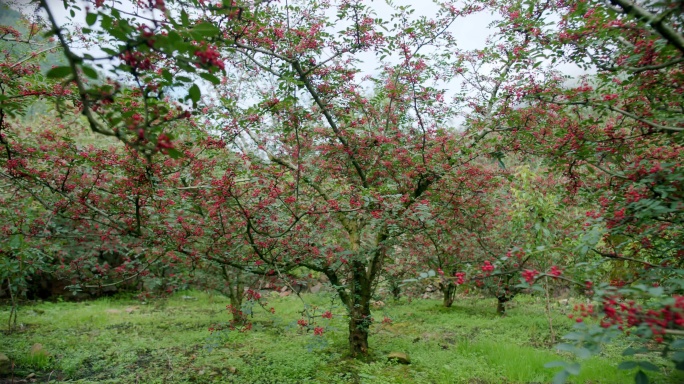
pixel 617 136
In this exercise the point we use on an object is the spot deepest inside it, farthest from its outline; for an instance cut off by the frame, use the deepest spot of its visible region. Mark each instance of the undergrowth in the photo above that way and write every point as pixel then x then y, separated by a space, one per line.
pixel 168 341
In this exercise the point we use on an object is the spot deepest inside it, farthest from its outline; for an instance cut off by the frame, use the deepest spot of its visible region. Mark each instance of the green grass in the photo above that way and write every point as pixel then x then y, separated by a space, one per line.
pixel 167 341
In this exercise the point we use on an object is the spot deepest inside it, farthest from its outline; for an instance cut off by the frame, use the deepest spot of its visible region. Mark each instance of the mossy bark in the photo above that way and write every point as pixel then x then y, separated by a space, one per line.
pixel 449 291
pixel 360 320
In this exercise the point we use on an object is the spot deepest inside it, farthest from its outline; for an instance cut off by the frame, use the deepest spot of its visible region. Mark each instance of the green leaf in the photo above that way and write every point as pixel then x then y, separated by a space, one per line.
pixel 174 153
pixel 583 353
pixel 640 378
pixel 58 72
pixel 565 347
pixel 167 75
pixel 194 93
pixel 211 78
pixel 573 369
pixel 561 377
pixel 648 366
pixel 678 356
pixel 89 72
pixel 555 364
pixel 110 51
pixel 630 352
pixel 680 366
pixel 574 336
pixel 656 291
pixel 627 365
pixel 15 242
pixel 205 30
pixel 91 18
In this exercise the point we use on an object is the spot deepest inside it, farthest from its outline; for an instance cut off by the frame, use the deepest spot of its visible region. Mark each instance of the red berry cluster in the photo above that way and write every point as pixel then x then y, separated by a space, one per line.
pixel 164 143
pixel 555 271
pixel 487 267
pixel 584 311
pixel 157 4
pixel 136 60
pixel 251 294
pixel 630 314
pixel 529 275
pixel 209 56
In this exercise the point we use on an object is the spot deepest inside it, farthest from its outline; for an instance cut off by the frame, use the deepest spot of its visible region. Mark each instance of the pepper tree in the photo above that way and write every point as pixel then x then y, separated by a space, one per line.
pixel 338 163
pixel 615 133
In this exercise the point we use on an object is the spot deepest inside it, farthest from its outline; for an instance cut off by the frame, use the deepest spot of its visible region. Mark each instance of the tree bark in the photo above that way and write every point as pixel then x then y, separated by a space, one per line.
pixel 395 290
pixel 501 305
pixel 235 293
pixel 449 291
pixel 359 310
pixel 359 324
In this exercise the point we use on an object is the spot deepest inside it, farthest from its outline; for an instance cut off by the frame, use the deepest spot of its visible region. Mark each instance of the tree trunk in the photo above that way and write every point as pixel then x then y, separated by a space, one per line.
pixel 359 310
pixel 395 289
pixel 235 293
pixel 359 324
pixel 449 291
pixel 236 307
pixel 501 305
pixel 13 309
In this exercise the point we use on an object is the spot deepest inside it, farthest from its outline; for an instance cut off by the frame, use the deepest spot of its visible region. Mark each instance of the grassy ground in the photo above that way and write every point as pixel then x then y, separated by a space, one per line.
pixel 167 341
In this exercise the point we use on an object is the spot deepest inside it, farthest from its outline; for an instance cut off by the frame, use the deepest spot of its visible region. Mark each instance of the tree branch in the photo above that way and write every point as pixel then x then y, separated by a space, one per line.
pixel 655 21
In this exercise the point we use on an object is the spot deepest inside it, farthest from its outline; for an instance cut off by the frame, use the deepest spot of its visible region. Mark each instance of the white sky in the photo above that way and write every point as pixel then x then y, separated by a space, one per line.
pixel 471 32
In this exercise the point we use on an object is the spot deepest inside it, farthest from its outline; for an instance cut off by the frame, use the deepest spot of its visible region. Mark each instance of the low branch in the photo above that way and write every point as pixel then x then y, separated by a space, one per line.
pixel 618 257
pixel 649 123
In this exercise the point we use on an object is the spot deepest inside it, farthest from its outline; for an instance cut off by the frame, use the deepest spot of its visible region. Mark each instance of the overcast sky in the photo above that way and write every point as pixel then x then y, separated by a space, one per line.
pixel 471 32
